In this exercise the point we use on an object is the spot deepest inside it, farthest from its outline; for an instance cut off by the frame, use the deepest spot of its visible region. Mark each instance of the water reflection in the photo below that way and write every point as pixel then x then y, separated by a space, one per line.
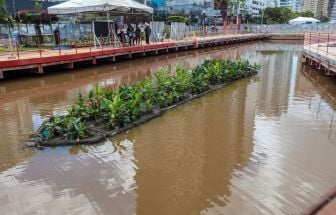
pixel 264 145
pixel 274 87
pixel 199 147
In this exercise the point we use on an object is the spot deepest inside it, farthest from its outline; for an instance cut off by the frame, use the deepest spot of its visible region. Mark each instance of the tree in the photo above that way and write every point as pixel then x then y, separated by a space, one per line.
pixel 178 19
pixel 281 15
pixel 278 15
pixel 38 6
pixel 222 5
pixel 307 14
pixel 324 19
pixel 5 17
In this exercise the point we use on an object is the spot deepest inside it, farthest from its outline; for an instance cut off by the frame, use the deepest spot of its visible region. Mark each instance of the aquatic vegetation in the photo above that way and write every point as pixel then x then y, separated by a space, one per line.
pixel 112 110
pixel 67 127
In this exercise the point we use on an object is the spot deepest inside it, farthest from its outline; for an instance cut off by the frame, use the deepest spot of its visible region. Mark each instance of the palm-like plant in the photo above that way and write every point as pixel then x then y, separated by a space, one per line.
pixel 5 17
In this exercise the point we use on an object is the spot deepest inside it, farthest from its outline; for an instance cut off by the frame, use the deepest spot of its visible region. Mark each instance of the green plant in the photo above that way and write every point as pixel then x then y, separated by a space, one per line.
pixel 5 17
pixel 69 127
pixel 74 128
pixel 178 19
pixel 118 113
pixel 166 31
pixel 124 105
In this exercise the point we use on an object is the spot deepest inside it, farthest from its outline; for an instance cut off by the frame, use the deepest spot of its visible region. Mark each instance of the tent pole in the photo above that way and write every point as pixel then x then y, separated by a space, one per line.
pixel 94 35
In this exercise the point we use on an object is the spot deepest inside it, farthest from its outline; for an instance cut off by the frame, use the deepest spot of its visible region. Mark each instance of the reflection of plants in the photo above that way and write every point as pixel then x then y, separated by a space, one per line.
pixel 73 150
pixel 123 106
pixel 119 147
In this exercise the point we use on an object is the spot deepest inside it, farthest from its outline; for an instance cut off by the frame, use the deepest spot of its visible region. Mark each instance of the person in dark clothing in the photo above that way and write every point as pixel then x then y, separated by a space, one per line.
pixel 57 36
pixel 148 32
pixel 122 37
pixel 130 34
pixel 137 35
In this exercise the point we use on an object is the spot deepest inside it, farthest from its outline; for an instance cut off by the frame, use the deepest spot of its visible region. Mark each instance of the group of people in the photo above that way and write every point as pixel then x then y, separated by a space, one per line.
pixel 134 35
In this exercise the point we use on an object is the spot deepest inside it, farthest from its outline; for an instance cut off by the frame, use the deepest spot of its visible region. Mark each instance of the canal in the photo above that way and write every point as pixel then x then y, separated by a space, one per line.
pixel 263 145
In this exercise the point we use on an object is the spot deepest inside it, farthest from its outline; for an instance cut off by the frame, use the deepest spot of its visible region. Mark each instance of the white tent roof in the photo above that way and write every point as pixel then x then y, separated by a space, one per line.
pixel 80 6
pixel 303 20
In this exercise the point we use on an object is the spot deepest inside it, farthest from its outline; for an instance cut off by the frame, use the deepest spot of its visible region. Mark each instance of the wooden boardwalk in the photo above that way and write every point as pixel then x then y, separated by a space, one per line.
pixel 38 61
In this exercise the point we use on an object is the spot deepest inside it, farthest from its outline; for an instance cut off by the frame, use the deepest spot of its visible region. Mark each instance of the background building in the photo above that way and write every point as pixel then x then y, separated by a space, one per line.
pixel 332 9
pixel 293 5
pixel 318 7
pixel 255 7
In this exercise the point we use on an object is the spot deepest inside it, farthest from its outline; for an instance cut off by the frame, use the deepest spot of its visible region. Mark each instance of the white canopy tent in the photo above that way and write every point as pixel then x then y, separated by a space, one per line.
pixel 82 6
pixel 303 20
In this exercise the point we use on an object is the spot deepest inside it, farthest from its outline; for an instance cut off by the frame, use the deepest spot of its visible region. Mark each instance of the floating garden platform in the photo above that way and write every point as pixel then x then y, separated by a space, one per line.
pixel 105 113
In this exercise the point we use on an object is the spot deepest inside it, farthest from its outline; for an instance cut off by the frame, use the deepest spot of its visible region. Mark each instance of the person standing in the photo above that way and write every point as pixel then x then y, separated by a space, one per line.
pixel 130 34
pixel 122 37
pixel 148 32
pixel 137 35
pixel 57 36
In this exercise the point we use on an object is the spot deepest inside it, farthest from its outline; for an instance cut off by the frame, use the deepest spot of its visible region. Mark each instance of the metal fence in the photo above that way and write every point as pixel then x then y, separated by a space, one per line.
pixel 322 47
pixel 290 28
pixel 25 34
pixel 82 34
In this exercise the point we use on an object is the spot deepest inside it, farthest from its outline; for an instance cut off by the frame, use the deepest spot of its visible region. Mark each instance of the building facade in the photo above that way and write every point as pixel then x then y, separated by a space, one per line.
pixel 255 7
pixel 293 5
pixel 318 7
pixel 332 9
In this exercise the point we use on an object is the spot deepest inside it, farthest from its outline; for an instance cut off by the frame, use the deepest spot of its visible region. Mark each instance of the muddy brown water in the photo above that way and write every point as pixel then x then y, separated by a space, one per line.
pixel 263 145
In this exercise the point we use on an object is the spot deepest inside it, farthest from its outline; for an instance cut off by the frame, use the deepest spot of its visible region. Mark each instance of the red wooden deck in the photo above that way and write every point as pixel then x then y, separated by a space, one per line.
pixel 43 58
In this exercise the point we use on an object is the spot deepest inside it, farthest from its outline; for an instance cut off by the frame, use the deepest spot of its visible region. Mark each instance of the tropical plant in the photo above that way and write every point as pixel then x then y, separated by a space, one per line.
pixel 69 127
pixel 5 17
pixel 121 107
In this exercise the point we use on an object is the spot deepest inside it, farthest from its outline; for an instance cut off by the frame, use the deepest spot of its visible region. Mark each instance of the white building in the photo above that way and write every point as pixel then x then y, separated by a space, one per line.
pixel 255 7
pixel 293 5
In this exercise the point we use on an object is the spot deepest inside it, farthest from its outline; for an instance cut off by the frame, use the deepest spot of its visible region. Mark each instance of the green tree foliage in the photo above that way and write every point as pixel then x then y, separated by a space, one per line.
pixel 277 15
pixel 38 6
pixel 306 14
pixel 281 15
pixel 178 19
pixel 324 19
pixel 5 17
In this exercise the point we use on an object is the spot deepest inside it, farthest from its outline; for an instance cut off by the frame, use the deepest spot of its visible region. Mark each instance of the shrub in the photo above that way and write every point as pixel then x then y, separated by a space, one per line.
pixel 123 106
